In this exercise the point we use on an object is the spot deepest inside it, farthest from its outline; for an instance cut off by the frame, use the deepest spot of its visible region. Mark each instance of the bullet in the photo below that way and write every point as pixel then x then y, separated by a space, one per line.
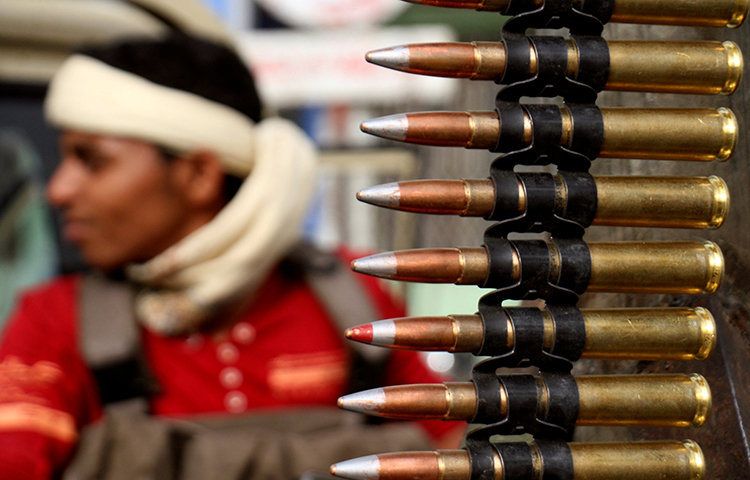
pixel 689 13
pixel 634 201
pixel 467 198
pixel 706 68
pixel 626 333
pixel 654 460
pixel 656 400
pixel 622 267
pixel 698 134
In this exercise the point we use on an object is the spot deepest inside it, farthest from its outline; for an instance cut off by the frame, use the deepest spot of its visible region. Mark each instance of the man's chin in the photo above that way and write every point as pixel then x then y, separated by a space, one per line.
pixel 101 261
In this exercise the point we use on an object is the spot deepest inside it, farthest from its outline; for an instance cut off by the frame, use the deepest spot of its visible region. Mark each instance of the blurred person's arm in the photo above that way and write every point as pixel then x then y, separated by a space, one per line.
pixel 47 392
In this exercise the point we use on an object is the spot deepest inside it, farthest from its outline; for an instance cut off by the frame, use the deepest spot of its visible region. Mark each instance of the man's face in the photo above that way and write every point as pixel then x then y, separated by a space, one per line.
pixel 118 197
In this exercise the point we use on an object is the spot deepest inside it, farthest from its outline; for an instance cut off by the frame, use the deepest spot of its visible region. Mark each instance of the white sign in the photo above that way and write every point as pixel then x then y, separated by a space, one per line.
pixel 294 68
pixel 333 13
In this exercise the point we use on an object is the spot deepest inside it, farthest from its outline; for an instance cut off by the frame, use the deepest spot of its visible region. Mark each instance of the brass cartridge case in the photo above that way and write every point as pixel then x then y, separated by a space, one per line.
pixel 702 13
pixel 456 465
pixel 678 202
pixel 669 134
pixel 656 267
pixel 674 67
pixel 638 461
pixel 649 333
pixel 645 400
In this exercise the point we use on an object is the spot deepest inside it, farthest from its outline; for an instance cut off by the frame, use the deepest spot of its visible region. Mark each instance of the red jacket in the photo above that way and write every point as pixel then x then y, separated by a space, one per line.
pixel 284 352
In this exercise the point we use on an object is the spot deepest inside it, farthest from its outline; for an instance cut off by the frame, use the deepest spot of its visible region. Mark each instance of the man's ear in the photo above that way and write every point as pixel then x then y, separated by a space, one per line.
pixel 200 178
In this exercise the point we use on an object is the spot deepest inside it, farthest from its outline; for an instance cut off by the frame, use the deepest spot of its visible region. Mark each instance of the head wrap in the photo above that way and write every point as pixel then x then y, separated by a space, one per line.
pixel 230 256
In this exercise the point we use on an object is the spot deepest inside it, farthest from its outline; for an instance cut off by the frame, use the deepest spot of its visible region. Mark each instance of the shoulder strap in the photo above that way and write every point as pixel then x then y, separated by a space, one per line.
pixel 348 303
pixel 110 339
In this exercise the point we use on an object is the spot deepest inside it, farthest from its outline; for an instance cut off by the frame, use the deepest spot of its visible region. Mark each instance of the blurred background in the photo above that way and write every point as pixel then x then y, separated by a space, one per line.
pixel 308 60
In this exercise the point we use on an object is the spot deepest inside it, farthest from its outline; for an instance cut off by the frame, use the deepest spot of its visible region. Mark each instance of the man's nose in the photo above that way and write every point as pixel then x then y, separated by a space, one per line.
pixel 65 184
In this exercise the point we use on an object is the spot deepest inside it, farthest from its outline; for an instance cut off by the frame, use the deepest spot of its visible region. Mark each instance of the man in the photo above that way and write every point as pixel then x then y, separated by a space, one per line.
pixel 170 178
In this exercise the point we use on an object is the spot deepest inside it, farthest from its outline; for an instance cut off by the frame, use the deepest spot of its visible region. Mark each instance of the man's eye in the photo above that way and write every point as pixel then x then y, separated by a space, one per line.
pixel 92 160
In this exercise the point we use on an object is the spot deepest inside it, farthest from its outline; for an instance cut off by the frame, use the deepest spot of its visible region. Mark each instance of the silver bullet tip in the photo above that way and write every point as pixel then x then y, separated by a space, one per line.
pixel 392 127
pixel 396 58
pixel 369 401
pixel 386 195
pixel 380 265
pixel 362 468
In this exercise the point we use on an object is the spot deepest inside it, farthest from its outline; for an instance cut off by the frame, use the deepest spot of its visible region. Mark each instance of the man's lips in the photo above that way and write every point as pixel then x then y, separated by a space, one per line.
pixel 75 230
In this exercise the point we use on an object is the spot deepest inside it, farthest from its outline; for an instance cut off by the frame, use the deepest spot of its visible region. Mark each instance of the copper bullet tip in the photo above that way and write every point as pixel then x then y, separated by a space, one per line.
pixel 386 195
pixel 362 468
pixel 368 401
pixel 391 127
pixel 362 333
pixel 396 58
pixel 379 265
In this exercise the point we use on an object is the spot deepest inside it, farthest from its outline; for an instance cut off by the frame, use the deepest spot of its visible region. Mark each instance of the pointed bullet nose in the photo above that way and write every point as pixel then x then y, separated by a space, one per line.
pixel 362 468
pixel 362 333
pixel 392 127
pixel 380 265
pixel 369 401
pixel 386 195
pixel 396 58
pixel 381 333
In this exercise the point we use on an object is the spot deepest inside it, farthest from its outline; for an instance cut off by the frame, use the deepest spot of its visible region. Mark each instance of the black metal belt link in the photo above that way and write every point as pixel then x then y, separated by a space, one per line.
pixel 582 198
pixel 522 413
pixel 518 460
pixel 570 333
pixel 551 77
pixel 587 136
pixel 575 264
pixel 482 459
pixel 562 399
pixel 588 130
pixel 593 61
pixel 517 59
pixel 557 459
pixel 534 280
pixel 542 213
pixel 495 325
pixel 528 336
pixel 587 19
